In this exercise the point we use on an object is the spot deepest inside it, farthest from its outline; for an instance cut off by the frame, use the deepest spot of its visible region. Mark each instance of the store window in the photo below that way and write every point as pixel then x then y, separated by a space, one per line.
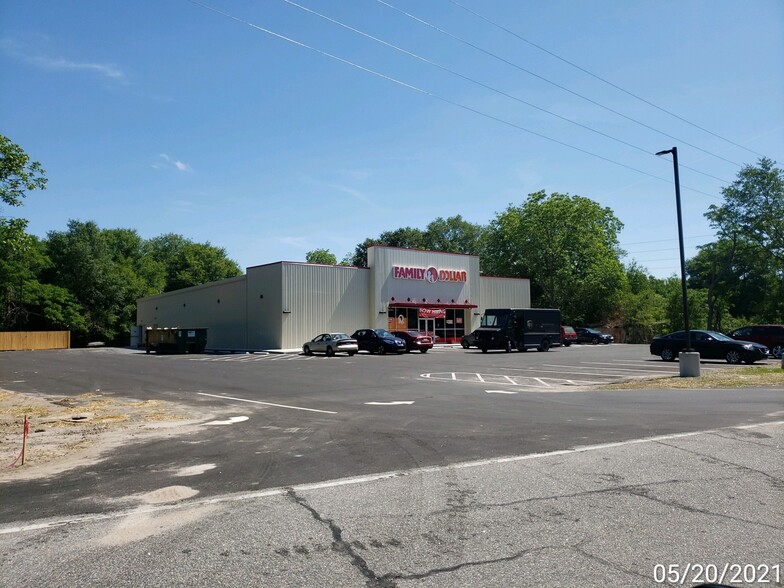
pixel 448 326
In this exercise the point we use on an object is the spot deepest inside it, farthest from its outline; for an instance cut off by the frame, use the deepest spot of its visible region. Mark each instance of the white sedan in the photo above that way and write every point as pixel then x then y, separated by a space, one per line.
pixel 331 343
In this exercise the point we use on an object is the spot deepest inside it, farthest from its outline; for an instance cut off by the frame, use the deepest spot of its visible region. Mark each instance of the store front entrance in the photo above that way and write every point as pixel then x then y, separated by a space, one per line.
pixel 427 326
pixel 446 325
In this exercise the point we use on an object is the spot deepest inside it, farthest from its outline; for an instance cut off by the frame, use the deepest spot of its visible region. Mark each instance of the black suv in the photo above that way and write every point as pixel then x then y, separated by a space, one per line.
pixel 771 336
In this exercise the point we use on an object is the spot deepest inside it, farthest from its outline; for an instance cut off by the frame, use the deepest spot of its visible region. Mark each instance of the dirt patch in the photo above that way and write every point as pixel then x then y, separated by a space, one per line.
pixel 67 432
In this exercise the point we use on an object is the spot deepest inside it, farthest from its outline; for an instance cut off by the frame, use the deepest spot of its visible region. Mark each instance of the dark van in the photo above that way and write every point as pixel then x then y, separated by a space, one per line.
pixel 519 328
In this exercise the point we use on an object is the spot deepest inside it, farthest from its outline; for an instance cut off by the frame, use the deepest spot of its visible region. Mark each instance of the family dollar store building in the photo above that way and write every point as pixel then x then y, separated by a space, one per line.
pixel 281 305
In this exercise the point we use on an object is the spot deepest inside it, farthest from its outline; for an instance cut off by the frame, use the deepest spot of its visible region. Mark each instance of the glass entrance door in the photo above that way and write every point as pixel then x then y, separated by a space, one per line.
pixel 428 327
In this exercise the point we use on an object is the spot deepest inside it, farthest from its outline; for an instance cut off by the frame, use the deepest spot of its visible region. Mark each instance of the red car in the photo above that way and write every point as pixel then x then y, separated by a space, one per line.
pixel 415 340
pixel 568 335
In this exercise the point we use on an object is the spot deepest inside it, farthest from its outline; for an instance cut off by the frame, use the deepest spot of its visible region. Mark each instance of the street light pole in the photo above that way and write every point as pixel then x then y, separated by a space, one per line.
pixel 674 152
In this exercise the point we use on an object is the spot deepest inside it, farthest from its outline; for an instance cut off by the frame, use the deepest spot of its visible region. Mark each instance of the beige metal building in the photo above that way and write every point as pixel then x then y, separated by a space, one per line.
pixel 283 304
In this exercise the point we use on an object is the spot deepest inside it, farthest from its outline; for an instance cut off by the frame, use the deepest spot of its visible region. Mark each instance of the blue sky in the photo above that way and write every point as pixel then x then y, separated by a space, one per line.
pixel 164 116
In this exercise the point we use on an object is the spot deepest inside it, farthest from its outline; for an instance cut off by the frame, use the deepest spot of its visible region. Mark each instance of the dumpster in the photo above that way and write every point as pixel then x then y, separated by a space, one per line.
pixel 176 340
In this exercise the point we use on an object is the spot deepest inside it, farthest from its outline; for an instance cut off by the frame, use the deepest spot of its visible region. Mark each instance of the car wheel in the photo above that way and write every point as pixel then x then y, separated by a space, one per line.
pixel 733 356
pixel 381 349
pixel 595 341
pixel 749 361
pixel 307 350
pixel 777 350
pixel 464 344
pixel 508 347
pixel 567 343
pixel 544 345
pixel 330 352
pixel 351 353
pixel 484 349
pixel 423 351
pixel 667 354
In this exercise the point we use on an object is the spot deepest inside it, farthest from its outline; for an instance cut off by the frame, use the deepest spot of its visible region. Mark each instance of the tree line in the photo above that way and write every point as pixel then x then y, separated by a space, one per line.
pixel 86 279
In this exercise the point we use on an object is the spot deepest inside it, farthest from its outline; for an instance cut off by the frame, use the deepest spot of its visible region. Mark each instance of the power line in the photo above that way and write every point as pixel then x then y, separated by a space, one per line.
pixel 557 85
pixel 438 97
pixel 486 86
pixel 601 79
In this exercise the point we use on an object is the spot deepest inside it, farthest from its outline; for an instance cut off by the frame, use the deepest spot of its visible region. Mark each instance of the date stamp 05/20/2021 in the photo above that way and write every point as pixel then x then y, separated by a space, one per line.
pixel 727 573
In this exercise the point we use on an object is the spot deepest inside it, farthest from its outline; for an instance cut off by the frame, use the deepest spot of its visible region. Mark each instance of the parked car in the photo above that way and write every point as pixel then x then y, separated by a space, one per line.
pixel 415 341
pixel 331 343
pixel 469 340
pixel 771 336
pixel 568 335
pixel 378 341
pixel 710 345
pixel 592 336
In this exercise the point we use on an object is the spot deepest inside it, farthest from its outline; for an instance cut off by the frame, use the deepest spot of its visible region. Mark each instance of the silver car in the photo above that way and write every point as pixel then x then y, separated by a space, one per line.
pixel 331 343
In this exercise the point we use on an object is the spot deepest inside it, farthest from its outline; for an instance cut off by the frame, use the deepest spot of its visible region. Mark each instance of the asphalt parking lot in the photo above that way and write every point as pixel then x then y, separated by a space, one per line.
pixel 297 419
pixel 486 466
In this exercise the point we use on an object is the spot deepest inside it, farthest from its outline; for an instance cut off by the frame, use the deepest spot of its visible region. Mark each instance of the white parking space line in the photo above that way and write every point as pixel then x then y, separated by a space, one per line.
pixel 529 382
pixel 267 403
pixel 641 370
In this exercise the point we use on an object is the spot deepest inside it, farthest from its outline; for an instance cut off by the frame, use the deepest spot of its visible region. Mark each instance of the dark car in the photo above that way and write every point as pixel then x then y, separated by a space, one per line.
pixel 592 336
pixel 469 340
pixel 568 335
pixel 378 341
pixel 710 345
pixel 415 341
pixel 771 336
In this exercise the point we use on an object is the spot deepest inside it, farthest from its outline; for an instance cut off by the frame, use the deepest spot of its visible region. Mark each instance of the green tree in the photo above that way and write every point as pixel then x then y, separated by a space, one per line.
pixel 18 175
pixel 186 263
pixel 321 256
pixel 754 208
pixel 83 264
pixel 744 270
pixel 454 235
pixel 568 245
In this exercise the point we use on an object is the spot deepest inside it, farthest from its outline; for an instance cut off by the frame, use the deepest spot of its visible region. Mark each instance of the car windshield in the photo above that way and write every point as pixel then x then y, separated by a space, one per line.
pixel 568 329
pixel 383 333
pixel 339 336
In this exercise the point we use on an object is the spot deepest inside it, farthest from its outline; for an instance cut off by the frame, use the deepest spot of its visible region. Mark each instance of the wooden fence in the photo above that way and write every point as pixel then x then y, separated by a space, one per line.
pixel 34 340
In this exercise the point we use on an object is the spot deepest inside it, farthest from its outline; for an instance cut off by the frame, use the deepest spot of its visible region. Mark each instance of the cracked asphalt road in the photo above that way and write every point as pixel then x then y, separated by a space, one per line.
pixel 597 516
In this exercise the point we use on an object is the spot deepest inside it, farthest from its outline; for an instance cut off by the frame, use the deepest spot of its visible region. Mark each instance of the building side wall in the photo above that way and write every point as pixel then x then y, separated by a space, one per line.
pixel 218 306
pixel 319 299
pixel 265 306
pixel 502 293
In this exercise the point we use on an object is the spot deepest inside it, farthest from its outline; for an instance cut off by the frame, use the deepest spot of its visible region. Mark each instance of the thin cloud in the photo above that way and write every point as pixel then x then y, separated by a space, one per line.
pixel 353 192
pixel 169 163
pixel 297 242
pixel 50 63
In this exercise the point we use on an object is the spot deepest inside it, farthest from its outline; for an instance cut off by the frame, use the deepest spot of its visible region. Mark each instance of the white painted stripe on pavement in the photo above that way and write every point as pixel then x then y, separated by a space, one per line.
pixel 267 403
pixel 356 480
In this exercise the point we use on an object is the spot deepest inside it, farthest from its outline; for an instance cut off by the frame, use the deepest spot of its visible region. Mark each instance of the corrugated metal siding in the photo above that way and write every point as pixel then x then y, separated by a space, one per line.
pixel 503 293
pixel 265 307
pixel 198 307
pixel 322 299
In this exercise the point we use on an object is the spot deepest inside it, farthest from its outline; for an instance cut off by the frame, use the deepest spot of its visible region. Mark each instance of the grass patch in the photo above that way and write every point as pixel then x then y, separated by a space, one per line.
pixel 745 377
